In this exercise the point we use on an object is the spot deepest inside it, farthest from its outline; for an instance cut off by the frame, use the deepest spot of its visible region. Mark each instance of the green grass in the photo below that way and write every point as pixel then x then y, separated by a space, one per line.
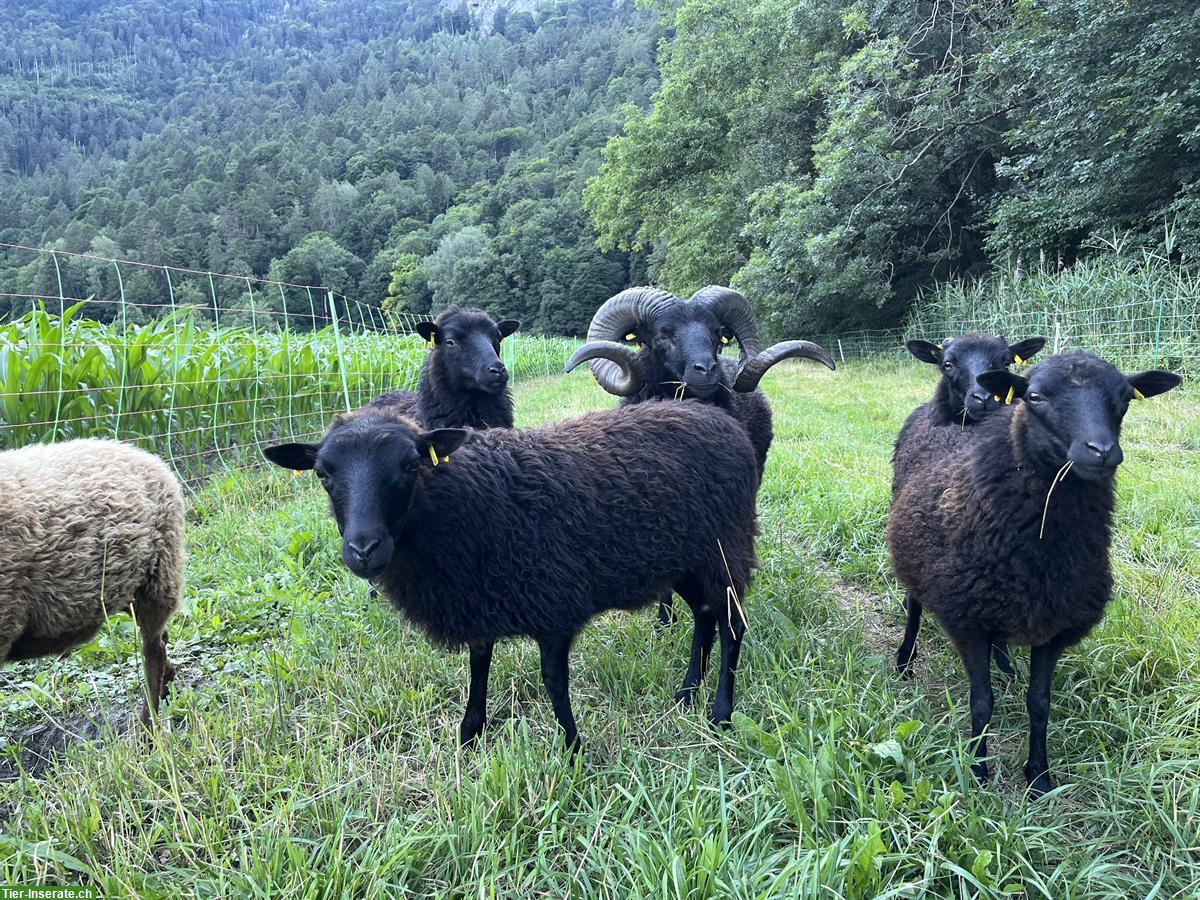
pixel 310 747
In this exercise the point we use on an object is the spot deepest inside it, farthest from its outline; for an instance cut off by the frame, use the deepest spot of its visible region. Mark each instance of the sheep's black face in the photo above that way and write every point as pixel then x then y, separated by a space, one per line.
pixel 963 359
pixel 369 466
pixel 686 342
pixel 1073 409
pixel 467 344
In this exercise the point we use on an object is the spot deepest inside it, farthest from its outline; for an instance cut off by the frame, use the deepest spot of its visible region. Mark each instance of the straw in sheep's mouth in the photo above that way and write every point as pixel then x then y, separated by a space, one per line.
pixel 1062 473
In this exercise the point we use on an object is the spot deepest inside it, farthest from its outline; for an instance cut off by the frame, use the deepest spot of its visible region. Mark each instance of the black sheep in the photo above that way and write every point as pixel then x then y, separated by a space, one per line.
pixel 1009 541
pixel 533 533
pixel 945 426
pixel 463 381
pixel 680 357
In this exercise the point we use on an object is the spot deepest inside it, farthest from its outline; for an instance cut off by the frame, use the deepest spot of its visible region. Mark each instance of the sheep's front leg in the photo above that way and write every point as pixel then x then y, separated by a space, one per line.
pixel 556 678
pixel 476 715
pixel 1042 661
pixel 976 652
pixel 905 654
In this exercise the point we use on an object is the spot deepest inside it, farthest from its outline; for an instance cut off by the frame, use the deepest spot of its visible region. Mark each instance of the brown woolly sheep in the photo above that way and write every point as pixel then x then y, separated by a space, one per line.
pixel 89 528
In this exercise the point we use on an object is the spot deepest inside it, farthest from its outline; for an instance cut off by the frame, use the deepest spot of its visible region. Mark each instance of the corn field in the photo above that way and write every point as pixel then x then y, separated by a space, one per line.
pixel 201 395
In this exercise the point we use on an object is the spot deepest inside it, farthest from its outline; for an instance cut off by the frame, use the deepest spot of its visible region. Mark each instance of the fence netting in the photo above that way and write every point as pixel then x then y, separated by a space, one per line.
pixel 209 368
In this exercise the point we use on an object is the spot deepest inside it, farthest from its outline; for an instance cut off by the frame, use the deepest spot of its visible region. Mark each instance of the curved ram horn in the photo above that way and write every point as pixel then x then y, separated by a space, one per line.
pixel 756 368
pixel 620 376
pixel 617 318
pixel 733 310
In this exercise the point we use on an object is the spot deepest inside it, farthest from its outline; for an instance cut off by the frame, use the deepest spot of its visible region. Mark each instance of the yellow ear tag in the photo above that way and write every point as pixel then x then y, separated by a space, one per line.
pixel 724 340
pixel 996 397
pixel 1009 398
pixel 1018 360
pixel 1138 394
pixel 631 336
pixel 433 454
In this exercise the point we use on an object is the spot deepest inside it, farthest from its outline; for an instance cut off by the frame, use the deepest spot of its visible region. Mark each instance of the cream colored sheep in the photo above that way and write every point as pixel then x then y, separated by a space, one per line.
pixel 88 529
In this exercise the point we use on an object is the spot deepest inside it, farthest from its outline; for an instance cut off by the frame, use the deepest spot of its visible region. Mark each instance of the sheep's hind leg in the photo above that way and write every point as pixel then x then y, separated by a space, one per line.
pixel 732 628
pixel 1042 661
pixel 475 716
pixel 556 677
pixel 666 611
pixel 703 632
pixel 976 652
pixel 1002 658
pixel 904 655
pixel 159 673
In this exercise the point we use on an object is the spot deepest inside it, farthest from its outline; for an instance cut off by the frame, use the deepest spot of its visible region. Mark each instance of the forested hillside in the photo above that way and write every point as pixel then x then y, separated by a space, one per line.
pixel 834 157
pixel 409 153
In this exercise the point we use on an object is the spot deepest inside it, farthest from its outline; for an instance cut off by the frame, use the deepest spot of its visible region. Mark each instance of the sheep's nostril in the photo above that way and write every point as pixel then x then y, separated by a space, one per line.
pixel 363 550
pixel 701 368
pixel 496 369
pixel 1100 450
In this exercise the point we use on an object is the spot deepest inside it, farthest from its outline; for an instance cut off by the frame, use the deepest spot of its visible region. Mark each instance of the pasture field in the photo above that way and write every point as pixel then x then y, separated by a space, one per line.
pixel 310 743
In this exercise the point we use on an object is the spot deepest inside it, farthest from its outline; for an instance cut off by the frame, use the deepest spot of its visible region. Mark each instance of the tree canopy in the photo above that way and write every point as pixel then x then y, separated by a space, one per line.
pixel 833 158
pixel 411 152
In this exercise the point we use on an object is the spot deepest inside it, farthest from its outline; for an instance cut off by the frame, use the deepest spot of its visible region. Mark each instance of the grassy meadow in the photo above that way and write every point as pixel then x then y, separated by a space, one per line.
pixel 309 748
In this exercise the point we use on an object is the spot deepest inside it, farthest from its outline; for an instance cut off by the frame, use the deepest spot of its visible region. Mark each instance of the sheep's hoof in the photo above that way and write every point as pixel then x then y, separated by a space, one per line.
pixel 685 696
pixel 980 771
pixel 574 747
pixel 1039 785
pixel 469 731
pixel 721 720
pixel 666 615
pixel 904 668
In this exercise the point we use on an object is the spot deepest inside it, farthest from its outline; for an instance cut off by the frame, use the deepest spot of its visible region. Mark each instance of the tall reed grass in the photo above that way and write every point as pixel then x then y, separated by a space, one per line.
pixel 1136 309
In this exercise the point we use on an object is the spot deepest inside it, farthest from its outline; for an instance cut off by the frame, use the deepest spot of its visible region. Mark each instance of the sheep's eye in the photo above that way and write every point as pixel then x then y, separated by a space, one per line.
pixel 1034 397
pixel 947 366
pixel 449 342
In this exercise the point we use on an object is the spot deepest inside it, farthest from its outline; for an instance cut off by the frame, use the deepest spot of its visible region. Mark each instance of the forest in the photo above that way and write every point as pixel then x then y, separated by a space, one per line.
pixel 831 159
pixel 406 154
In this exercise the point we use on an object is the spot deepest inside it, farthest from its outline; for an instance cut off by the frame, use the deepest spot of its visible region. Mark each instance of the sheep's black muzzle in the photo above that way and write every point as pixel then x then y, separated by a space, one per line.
pixel 1095 459
pixel 367 555
pixel 979 404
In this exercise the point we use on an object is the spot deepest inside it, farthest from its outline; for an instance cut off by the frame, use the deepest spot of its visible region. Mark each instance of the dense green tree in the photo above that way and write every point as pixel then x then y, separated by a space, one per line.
pixel 223 136
pixel 832 159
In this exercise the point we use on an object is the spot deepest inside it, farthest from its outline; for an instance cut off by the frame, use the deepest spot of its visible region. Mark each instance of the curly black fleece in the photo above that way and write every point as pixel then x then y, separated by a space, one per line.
pixel 535 532
pixel 437 403
pixel 750 409
pixel 964 541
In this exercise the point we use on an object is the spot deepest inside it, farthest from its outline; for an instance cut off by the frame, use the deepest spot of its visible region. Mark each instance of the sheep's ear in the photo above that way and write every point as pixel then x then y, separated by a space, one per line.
pixel 507 327
pixel 1025 350
pixel 428 331
pixel 925 351
pixel 1153 383
pixel 1003 385
pixel 435 447
pixel 292 456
